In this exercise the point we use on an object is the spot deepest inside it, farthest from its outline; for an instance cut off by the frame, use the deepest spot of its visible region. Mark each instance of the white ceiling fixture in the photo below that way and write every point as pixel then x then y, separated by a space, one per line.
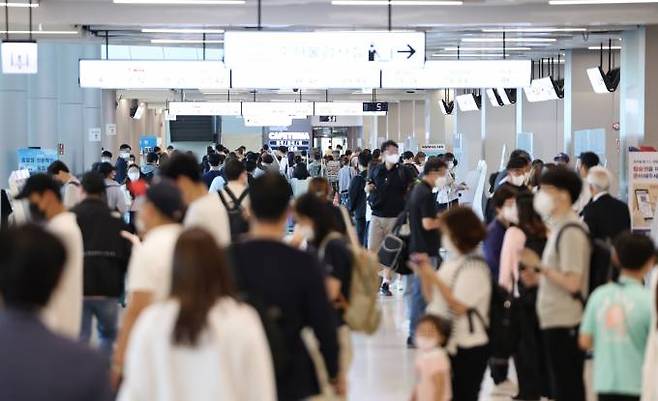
pixel 184 41
pixel 182 30
pixel 589 2
pixel 498 40
pixel 532 30
pixel 41 32
pixel 184 2
pixel 396 3
pixel 205 108
pixel 19 5
pixel 605 48
pixel 484 49
pixel 468 102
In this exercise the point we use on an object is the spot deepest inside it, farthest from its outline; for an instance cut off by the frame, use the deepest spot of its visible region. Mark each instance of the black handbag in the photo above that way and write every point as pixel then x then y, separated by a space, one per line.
pixel 394 244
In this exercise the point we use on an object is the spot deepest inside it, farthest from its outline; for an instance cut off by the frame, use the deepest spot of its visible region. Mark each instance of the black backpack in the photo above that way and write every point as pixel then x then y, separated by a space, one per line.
pixel 236 216
pixel 600 263
pixel 502 329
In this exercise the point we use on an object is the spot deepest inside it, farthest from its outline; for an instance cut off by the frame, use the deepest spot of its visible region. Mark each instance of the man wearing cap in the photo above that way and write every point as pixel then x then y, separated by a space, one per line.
pixel 63 313
pixel 116 200
pixel 149 269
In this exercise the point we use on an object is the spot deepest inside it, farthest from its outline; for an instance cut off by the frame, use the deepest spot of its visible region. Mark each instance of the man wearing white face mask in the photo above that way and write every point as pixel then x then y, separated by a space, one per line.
pixel 586 161
pixel 562 275
pixel 518 171
pixel 387 188
pixel 424 238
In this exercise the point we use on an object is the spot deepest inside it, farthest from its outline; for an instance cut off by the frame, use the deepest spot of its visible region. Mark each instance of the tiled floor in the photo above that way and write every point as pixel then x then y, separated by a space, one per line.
pixel 383 370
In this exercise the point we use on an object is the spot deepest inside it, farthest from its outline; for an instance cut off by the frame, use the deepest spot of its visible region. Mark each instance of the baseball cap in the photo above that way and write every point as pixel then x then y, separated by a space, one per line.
pixel 166 197
pixel 39 183
pixel 561 157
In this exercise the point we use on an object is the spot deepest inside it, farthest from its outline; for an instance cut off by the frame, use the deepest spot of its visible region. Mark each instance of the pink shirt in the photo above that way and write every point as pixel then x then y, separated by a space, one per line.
pixel 429 364
pixel 513 245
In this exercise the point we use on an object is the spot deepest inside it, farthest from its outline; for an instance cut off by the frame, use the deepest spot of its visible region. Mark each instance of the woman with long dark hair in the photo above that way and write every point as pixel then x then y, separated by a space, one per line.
pixel 201 344
pixel 527 231
pixel 316 223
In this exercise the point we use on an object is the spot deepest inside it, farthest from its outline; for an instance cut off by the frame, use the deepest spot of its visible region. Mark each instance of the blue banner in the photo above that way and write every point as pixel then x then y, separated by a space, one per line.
pixel 35 160
pixel 147 143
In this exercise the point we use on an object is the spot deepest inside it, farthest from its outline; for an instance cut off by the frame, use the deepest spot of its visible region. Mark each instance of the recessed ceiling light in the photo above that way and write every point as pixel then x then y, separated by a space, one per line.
pixel 498 40
pixel 589 2
pixel 183 2
pixel 532 30
pixel 604 48
pixel 491 49
pixel 396 3
pixel 40 32
pixel 182 30
pixel 184 41
pixel 19 5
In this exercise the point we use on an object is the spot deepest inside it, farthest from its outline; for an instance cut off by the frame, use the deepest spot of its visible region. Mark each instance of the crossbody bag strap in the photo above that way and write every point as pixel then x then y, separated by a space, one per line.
pixel 578 295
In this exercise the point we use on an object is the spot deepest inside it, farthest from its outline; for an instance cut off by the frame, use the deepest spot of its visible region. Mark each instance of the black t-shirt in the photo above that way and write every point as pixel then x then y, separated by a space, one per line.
pixel 422 204
pixel 292 281
pixel 338 262
pixel 387 200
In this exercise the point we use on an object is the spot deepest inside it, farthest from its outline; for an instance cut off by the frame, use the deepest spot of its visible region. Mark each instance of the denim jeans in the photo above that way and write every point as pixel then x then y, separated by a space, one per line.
pixel 416 302
pixel 106 311
pixel 344 198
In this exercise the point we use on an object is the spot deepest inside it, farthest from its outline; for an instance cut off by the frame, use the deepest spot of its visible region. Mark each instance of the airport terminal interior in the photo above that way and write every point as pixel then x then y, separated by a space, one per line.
pixel 363 200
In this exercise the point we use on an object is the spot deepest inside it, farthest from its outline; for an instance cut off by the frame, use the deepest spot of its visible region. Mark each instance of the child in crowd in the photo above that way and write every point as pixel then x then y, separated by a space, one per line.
pixel 617 321
pixel 432 362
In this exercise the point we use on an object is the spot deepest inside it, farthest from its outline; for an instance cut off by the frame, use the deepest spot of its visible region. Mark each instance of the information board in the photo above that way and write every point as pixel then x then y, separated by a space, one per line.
pixel 642 188
pixel 433 149
pixel 295 141
pixel 35 160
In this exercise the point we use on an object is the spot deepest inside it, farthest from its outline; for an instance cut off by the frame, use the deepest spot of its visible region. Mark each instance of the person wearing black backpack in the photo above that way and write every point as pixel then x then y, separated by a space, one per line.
pixel 562 276
pixel 287 288
pixel 235 197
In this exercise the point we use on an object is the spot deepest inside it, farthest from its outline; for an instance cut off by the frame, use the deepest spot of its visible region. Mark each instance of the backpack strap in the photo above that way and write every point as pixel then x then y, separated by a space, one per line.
pixel 471 312
pixel 578 295
pixel 221 198
pixel 237 202
pixel 325 242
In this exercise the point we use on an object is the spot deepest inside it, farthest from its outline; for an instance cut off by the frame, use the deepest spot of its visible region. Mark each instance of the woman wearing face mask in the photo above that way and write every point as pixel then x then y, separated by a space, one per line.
pixel 517 172
pixel 527 231
pixel 316 225
pixel 461 291
pixel 448 195
pixel 134 176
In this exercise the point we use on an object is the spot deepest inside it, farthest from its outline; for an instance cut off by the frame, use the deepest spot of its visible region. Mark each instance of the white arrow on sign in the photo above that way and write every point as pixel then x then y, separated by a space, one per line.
pixel 326 48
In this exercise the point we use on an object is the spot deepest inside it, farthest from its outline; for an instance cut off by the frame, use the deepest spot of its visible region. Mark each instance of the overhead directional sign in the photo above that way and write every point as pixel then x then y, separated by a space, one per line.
pixel 459 74
pixel 275 76
pixel 205 108
pixel 153 74
pixel 324 48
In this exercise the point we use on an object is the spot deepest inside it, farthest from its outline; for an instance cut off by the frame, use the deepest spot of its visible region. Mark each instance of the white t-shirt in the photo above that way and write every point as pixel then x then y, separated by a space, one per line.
pixel 209 214
pixel 72 193
pixel 150 263
pixel 472 287
pixel 231 361
pixel 63 313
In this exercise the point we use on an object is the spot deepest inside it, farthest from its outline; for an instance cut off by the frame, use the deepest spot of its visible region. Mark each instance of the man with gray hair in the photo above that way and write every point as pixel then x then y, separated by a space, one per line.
pixel 605 215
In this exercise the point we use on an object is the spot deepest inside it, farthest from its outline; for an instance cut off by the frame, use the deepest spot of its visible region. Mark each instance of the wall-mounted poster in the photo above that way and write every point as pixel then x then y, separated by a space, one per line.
pixel 642 187
pixel 35 160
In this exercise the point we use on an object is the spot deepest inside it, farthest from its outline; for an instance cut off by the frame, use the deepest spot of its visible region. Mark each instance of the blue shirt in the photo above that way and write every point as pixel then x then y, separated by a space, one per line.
pixel 493 245
pixel 618 318
pixel 210 176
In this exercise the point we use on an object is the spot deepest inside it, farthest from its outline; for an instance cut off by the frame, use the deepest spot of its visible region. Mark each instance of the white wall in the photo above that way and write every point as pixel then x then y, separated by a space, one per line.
pixel 49 108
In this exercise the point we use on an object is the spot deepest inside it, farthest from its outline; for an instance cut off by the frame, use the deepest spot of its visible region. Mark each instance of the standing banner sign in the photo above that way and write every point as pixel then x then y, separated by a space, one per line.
pixel 433 149
pixel 642 187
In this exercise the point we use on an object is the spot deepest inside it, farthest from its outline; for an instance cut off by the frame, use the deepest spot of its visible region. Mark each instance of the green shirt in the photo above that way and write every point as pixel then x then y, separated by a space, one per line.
pixel 618 316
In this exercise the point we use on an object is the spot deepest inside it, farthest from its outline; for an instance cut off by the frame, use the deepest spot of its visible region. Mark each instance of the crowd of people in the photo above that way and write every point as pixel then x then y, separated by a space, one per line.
pixel 242 276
